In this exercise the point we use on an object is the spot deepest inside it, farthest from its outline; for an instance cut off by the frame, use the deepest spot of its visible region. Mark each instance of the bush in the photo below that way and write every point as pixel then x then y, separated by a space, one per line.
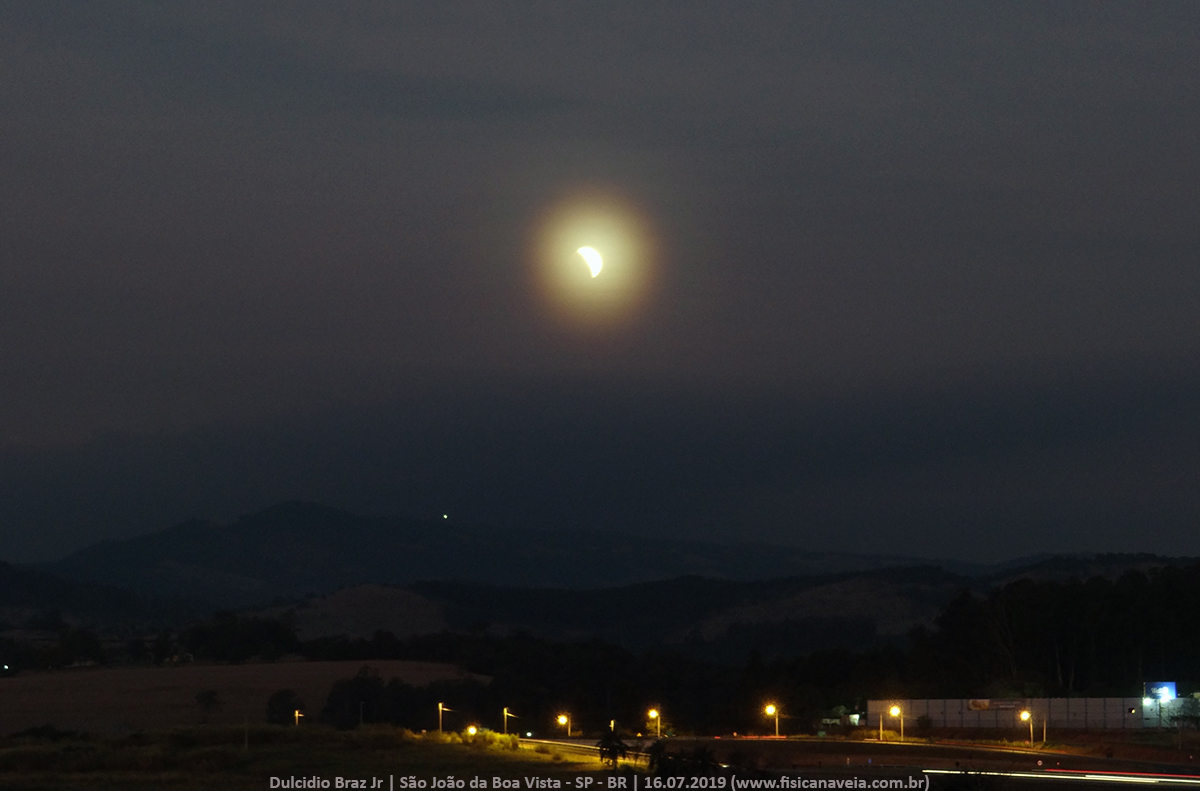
pixel 48 733
pixel 353 701
pixel 228 638
pixel 208 700
pixel 282 707
pixel 443 737
pixel 871 734
pixel 77 645
pixel 490 740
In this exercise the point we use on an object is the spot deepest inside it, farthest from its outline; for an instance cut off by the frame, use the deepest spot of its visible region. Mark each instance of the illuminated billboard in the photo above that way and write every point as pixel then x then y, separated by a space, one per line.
pixel 1159 690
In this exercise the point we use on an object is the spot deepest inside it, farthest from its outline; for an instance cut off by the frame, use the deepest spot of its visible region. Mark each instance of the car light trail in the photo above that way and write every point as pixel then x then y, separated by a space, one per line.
pixel 1064 774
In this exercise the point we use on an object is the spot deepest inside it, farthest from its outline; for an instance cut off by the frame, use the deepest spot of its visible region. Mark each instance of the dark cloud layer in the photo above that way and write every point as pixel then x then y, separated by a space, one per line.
pixel 216 214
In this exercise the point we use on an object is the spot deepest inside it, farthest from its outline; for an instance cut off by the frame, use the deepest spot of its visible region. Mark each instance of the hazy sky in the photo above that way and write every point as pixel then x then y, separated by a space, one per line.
pixel 220 219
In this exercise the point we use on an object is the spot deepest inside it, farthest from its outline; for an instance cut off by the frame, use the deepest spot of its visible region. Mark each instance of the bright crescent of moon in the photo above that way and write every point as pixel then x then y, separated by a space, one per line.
pixel 593 259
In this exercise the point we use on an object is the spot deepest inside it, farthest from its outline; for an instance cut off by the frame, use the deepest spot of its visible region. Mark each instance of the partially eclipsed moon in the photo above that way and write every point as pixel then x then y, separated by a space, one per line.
pixel 593 259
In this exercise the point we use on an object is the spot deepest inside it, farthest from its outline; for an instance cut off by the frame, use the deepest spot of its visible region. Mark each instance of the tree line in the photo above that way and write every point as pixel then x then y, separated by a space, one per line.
pixel 1029 638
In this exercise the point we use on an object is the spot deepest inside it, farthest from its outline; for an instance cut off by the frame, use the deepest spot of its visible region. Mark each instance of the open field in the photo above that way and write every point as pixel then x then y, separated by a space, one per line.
pixel 202 758
pixel 122 700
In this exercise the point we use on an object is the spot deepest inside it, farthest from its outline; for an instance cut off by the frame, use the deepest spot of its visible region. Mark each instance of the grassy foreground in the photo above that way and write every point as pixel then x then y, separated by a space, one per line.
pixel 218 758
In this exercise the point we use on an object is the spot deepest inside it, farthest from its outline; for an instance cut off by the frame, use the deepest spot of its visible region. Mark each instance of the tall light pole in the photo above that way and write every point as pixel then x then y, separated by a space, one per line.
pixel 896 712
pixel 565 720
pixel 441 708
pixel 773 711
pixel 1028 717
pixel 508 714
pixel 653 714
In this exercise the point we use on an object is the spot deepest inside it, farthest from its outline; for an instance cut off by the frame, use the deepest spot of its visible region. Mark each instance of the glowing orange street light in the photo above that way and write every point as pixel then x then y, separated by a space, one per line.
pixel 565 720
pixel 298 714
pixel 472 730
pixel 1026 716
pixel 895 712
pixel 441 708
pixel 773 711
pixel 653 714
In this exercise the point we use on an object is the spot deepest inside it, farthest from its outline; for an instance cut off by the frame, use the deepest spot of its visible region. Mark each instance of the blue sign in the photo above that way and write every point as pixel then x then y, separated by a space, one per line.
pixel 1160 690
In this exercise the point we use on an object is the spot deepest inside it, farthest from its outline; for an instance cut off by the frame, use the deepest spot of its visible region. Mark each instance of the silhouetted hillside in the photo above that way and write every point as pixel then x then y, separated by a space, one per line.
pixel 30 595
pixel 335 573
pixel 299 548
pixel 1083 566
pixel 720 620
pixel 714 619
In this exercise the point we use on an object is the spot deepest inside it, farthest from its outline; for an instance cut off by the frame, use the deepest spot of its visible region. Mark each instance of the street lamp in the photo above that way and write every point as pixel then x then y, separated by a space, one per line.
pixel 895 712
pixel 653 714
pixel 508 714
pixel 773 711
pixel 441 708
pixel 1028 717
pixel 565 720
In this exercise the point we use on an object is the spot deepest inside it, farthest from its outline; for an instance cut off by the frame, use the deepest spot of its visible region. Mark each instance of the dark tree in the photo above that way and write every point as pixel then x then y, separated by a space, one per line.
pixel 355 700
pixel 77 645
pixel 228 638
pixel 209 701
pixel 282 707
pixel 137 650
pixel 612 749
pixel 163 649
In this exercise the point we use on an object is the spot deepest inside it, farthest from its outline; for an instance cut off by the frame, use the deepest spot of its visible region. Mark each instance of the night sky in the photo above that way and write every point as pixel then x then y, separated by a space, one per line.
pixel 920 280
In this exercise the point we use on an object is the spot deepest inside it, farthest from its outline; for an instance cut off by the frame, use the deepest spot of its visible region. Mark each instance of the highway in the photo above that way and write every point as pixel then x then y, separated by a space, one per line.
pixel 583 748
pixel 946 766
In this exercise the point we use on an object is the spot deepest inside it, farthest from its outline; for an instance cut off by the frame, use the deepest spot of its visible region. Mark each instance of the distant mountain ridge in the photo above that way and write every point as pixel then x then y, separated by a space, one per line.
pixel 296 549
pixel 327 572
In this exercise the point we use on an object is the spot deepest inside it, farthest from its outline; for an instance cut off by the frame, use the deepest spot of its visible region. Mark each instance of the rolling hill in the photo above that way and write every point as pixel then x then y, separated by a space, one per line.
pixel 297 549
pixel 329 572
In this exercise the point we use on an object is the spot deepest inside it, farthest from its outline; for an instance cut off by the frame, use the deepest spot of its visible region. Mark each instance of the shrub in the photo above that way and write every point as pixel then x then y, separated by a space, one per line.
pixel 282 707
pixel 353 701
pixel 208 700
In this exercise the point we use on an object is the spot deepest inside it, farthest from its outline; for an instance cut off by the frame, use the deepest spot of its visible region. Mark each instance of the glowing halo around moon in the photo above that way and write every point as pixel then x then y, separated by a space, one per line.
pixel 613 238
pixel 592 258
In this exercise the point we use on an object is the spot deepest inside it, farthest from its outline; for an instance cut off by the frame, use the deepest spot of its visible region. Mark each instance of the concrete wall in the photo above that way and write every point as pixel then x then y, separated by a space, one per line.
pixel 1073 713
